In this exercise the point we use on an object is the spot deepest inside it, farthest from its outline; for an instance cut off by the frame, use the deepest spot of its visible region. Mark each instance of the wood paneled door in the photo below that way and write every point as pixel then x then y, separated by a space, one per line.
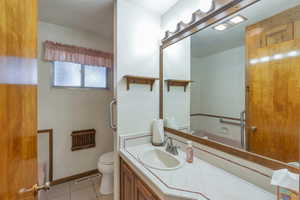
pixel 18 99
pixel 273 86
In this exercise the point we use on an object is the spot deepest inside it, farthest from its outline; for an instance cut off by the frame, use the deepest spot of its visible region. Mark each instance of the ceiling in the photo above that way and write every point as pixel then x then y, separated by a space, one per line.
pixel 210 41
pixel 158 6
pixel 90 15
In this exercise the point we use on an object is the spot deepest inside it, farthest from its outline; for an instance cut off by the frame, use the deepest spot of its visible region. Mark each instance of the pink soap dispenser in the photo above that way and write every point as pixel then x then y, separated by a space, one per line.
pixel 189 152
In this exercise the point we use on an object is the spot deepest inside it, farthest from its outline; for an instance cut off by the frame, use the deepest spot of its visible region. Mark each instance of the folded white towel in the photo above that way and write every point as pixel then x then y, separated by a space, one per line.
pixel 286 179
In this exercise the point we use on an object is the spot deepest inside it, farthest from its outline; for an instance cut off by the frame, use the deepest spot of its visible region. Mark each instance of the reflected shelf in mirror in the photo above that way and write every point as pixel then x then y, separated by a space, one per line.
pixel 178 83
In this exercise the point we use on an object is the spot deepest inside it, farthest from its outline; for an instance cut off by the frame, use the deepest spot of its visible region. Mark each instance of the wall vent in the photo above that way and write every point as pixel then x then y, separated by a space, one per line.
pixel 83 139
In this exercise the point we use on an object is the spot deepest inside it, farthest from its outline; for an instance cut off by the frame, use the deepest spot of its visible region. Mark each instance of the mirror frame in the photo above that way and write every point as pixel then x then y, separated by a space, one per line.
pixel 200 21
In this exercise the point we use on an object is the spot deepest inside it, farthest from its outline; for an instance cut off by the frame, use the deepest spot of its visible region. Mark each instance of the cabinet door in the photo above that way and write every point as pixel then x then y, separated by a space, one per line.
pixel 142 192
pixel 127 182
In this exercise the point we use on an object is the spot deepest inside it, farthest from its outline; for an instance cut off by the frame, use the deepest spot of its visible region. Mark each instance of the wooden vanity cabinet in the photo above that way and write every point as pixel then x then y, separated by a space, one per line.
pixel 132 187
pixel 142 192
pixel 127 182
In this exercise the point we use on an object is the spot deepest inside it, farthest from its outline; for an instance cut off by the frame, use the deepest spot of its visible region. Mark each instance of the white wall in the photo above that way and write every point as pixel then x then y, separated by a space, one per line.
pixel 66 110
pixel 177 65
pixel 138 32
pixel 219 89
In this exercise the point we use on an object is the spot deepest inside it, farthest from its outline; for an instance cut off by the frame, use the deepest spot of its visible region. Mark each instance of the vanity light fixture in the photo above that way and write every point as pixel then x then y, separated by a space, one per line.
pixel 205 7
pixel 221 27
pixel 237 19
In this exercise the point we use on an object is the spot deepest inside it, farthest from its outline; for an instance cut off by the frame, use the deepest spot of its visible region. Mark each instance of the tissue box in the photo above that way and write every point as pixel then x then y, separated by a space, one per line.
pixel 286 194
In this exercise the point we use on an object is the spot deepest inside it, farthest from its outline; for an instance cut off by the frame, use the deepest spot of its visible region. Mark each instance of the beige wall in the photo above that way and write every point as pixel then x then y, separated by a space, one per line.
pixel 66 110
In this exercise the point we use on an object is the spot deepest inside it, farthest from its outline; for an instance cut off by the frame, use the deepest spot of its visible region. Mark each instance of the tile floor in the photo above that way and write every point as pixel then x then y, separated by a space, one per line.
pixel 81 189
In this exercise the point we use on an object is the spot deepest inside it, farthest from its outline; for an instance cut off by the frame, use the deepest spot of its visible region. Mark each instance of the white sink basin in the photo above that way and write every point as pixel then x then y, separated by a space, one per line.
pixel 158 159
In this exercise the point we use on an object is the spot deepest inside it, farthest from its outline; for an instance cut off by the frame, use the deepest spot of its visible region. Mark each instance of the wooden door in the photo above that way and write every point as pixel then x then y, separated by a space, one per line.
pixel 18 98
pixel 127 182
pixel 273 86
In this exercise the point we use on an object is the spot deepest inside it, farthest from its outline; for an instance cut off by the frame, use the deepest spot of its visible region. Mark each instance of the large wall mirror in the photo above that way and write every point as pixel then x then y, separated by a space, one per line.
pixel 237 82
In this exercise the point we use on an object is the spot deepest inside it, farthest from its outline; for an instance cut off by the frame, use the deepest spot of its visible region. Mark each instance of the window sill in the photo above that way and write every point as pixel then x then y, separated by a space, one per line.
pixel 78 88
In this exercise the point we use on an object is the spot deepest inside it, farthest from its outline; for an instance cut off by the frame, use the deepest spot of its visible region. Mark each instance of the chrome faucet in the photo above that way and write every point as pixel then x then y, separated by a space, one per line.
pixel 171 148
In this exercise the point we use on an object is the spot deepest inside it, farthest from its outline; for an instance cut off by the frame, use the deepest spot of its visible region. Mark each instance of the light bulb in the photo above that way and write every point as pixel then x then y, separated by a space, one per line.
pixel 205 5
pixel 186 19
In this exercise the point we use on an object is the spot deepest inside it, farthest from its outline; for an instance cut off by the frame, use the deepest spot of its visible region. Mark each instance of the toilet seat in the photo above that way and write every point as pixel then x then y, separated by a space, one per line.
pixel 107 158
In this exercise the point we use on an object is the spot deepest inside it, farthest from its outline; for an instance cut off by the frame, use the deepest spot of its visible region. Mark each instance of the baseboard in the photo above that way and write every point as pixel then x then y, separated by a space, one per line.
pixel 74 177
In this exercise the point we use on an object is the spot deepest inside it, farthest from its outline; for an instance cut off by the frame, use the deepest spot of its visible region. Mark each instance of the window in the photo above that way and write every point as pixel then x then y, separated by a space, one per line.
pixel 68 74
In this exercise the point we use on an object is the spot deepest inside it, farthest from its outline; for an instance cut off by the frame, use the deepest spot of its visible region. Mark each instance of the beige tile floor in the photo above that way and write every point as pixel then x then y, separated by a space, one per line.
pixel 82 189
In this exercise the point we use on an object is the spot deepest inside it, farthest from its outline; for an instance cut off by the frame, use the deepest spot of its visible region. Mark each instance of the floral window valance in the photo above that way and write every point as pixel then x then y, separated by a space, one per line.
pixel 68 53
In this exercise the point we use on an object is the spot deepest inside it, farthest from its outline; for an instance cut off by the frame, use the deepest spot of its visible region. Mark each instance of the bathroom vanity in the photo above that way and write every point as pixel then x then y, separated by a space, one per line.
pixel 229 82
pixel 200 180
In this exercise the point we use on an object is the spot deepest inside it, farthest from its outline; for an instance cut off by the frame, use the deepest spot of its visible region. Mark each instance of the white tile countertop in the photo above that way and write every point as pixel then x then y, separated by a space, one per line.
pixel 199 180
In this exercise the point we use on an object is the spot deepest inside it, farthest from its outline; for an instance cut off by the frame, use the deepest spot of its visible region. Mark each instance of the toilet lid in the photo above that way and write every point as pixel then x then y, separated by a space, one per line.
pixel 107 158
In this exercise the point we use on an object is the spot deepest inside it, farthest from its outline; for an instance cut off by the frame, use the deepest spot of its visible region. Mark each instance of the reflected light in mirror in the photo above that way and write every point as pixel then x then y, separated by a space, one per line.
pixel 292 53
pixel 265 59
pixel 221 27
pixel 278 56
pixel 237 19
pixel 254 61
pixel 274 57
pixel 205 5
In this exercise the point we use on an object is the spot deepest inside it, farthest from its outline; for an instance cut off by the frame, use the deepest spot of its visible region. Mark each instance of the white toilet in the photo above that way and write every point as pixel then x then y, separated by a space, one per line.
pixel 106 167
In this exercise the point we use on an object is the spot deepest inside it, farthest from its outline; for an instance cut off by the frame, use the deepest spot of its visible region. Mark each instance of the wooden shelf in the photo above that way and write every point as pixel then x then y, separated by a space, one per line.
pixel 180 83
pixel 140 80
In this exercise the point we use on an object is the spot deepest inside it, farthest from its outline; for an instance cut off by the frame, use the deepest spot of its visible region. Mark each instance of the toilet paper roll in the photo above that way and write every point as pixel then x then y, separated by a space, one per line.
pixel 158 134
